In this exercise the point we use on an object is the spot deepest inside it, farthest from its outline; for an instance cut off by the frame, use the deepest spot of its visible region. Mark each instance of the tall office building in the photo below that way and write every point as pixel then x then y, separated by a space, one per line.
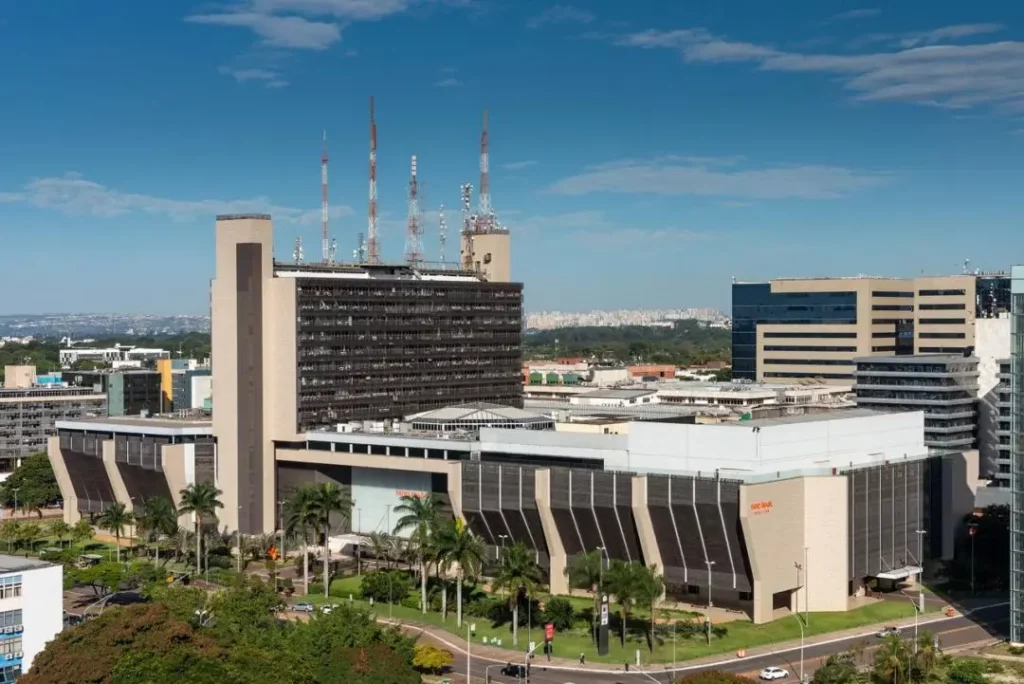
pixel 298 348
pixel 1017 457
pixel 796 329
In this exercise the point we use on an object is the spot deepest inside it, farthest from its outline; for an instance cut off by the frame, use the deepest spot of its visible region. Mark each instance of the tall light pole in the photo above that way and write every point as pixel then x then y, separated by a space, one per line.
pixel 920 559
pixel 710 564
pixel 807 574
pixel 14 512
pixel 469 657
pixel 800 622
pixel 280 522
pixel 972 530
pixel 600 582
pixel 239 533
pixel 916 614
pixel 359 547
pixel 500 549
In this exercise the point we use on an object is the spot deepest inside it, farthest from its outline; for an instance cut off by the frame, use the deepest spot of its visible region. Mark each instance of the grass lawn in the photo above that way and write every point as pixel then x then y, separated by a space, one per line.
pixel 741 634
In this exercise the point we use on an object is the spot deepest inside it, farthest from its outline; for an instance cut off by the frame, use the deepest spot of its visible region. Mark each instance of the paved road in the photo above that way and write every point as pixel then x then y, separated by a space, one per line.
pixel 984 623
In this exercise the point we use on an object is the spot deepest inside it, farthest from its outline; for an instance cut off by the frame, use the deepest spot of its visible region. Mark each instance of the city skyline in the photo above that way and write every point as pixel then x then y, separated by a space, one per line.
pixel 672 147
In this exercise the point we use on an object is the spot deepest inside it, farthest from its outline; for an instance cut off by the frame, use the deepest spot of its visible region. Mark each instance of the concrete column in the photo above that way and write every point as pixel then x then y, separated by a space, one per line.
pixel 455 489
pixel 114 475
pixel 645 527
pixel 67 489
pixel 558 582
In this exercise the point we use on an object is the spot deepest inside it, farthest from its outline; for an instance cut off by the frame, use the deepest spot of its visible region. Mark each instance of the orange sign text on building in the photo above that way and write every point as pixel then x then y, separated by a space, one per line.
pixel 760 507
pixel 400 493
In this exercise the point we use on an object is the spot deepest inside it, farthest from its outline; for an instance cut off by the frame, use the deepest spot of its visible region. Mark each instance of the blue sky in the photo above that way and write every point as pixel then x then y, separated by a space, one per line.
pixel 642 153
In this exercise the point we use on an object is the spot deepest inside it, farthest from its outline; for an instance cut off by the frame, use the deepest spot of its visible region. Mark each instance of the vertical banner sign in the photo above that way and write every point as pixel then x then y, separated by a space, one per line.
pixel 549 631
pixel 602 630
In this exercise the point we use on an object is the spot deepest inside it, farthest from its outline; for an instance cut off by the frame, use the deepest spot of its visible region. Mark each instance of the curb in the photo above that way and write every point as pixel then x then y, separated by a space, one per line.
pixel 718 663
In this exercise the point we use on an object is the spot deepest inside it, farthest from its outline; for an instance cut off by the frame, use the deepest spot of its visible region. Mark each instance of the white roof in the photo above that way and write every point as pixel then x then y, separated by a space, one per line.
pixel 481 412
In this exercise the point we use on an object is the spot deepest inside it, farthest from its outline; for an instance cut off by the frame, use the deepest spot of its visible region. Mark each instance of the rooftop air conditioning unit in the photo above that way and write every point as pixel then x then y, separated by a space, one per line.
pixel 19 654
pixel 19 628
pixel 8 630
pixel 10 656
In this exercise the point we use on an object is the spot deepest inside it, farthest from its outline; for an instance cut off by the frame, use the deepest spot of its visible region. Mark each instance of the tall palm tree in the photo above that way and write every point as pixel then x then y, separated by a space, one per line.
pixel 158 519
pixel 300 520
pixel 420 515
pixel 649 586
pixel 518 575
pixel 113 519
pixel 200 498
pixel 586 571
pixel 458 546
pixel 327 500
pixel 622 580
pixel 383 546
pixel 893 661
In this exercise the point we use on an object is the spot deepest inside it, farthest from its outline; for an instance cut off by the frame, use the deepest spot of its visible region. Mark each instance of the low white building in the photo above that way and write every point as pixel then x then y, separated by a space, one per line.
pixel 31 611
pixel 616 397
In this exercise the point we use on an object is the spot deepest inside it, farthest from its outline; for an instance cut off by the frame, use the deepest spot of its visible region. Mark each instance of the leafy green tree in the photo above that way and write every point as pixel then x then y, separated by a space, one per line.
pixel 328 500
pixel 518 575
pixel 102 578
pixel 647 590
pixel 81 531
pixel 158 519
pixel 32 483
pixel 713 677
pixel 430 659
pixel 560 612
pixel 840 668
pixel 585 571
pixel 965 671
pixel 420 515
pixel 200 499
pixel 29 534
pixel 301 520
pixel 383 546
pixel 60 531
pixel 623 580
pixel 10 532
pixel 386 586
pixel 114 519
pixel 457 546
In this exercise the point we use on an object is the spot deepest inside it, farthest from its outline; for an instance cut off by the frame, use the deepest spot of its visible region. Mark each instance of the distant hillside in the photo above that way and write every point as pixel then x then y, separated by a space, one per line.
pixel 79 326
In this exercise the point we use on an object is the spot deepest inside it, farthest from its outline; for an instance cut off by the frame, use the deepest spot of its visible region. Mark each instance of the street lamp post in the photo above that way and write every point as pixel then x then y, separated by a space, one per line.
pixel 280 522
pixel 710 564
pixel 917 613
pixel 469 657
pixel 801 623
pixel 14 511
pixel 972 530
pixel 499 550
pixel 920 559
pixel 600 583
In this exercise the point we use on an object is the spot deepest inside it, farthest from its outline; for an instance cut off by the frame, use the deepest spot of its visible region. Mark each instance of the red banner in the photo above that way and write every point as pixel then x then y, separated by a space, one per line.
pixel 549 631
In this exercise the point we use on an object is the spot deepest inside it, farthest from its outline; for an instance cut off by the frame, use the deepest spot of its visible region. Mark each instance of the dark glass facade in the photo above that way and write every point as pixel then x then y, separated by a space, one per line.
pixel 992 297
pixel 755 303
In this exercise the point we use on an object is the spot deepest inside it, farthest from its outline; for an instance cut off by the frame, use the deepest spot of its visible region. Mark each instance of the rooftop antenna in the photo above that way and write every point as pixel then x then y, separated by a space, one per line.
pixel 359 253
pixel 325 245
pixel 413 249
pixel 297 252
pixel 442 229
pixel 373 253
pixel 485 209
pixel 332 254
pixel 467 224
pixel 967 266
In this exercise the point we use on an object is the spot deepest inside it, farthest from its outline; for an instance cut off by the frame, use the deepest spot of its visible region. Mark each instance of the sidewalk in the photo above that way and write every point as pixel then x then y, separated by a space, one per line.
pixel 501 655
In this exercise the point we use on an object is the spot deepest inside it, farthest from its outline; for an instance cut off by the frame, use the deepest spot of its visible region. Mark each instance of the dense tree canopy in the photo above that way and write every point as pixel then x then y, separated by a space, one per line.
pixel 232 637
pixel 685 343
pixel 34 482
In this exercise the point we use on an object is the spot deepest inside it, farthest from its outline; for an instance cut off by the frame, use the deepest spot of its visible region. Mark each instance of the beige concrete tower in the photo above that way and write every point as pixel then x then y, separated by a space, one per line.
pixel 238 304
pixel 489 254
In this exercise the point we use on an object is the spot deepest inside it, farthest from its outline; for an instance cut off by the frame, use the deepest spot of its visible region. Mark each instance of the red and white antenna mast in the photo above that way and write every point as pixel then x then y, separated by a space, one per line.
pixel 485 210
pixel 325 246
pixel 413 248
pixel 372 245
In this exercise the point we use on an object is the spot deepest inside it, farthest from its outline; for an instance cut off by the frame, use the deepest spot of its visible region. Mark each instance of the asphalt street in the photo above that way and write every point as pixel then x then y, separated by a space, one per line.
pixel 982 624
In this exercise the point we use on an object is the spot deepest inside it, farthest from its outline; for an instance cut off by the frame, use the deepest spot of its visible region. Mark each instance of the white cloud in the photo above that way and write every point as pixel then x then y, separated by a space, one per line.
pixel 559 223
pixel 270 79
pixel 560 14
pixel 276 31
pixel 865 13
pixel 639 237
pixel 519 165
pixel 661 177
pixel 448 83
pixel 926 70
pixel 77 196
pixel 355 10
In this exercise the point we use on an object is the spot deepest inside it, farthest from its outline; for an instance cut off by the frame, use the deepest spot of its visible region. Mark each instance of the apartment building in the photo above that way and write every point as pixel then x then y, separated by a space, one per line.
pixel 31 611
pixel 130 392
pixel 29 412
pixel 812 329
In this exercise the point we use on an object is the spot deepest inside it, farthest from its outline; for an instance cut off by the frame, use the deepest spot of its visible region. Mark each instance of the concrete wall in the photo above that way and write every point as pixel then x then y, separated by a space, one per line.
pixel 992 342
pixel 377 492
pixel 42 609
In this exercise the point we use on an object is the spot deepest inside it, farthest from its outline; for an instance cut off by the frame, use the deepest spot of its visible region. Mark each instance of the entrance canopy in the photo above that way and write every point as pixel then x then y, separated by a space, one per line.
pixel 900 573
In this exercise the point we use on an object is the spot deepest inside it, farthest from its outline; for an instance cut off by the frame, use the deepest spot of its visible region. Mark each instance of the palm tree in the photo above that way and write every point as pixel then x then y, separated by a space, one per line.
pixel 383 546
pixel 328 499
pixel 419 514
pixel 30 533
pixel 892 661
pixel 622 580
pixel 300 519
pixel 113 519
pixel 518 575
pixel 60 530
pixel 81 531
pixel 458 546
pixel 649 586
pixel 158 519
pixel 585 571
pixel 200 498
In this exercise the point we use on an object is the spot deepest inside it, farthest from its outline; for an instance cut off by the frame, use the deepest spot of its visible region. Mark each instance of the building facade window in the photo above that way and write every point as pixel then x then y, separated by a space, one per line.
pixel 11 618
pixel 941 293
pixel 12 647
pixel 811 335
pixel 942 321
pixel 892 307
pixel 10 586
pixel 942 307
pixel 805 348
pixel 10 673
pixel 941 335
pixel 809 362
pixel 892 294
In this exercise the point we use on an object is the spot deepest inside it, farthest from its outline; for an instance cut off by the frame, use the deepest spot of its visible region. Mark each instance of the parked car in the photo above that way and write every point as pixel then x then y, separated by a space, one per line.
pixel 328 607
pixel 771 673
pixel 888 632
pixel 303 608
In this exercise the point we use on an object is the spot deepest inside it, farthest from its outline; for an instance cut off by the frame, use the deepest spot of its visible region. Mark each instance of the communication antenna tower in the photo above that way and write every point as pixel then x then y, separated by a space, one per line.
pixel 325 248
pixel 485 209
pixel 332 254
pixel 467 225
pixel 442 229
pixel 373 248
pixel 297 256
pixel 413 248
pixel 359 253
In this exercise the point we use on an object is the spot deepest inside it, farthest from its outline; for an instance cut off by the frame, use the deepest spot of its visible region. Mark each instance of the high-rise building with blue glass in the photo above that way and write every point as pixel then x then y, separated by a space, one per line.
pixel 1017 456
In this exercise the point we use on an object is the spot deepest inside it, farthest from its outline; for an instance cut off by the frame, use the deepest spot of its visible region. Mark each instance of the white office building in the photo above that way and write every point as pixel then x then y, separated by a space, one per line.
pixel 31 611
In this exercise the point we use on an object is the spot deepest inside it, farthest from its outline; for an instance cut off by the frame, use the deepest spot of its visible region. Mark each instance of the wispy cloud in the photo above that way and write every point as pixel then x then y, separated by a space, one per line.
pixel 270 79
pixel 670 176
pixel 926 71
pixel 449 82
pixel 639 237
pixel 276 31
pixel 75 195
pixel 519 165
pixel 560 14
pixel 865 13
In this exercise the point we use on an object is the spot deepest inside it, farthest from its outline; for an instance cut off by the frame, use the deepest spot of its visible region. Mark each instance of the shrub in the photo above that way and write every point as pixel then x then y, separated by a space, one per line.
pixel 430 659
pixel 380 585
pixel 315 588
pixel 560 612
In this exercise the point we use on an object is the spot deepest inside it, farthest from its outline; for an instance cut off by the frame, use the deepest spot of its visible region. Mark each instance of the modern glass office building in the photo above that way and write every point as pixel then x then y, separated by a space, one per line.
pixel 1017 456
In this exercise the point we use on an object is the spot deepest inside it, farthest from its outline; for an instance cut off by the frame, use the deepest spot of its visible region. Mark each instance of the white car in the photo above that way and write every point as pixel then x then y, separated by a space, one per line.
pixel 328 607
pixel 770 673
pixel 303 608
